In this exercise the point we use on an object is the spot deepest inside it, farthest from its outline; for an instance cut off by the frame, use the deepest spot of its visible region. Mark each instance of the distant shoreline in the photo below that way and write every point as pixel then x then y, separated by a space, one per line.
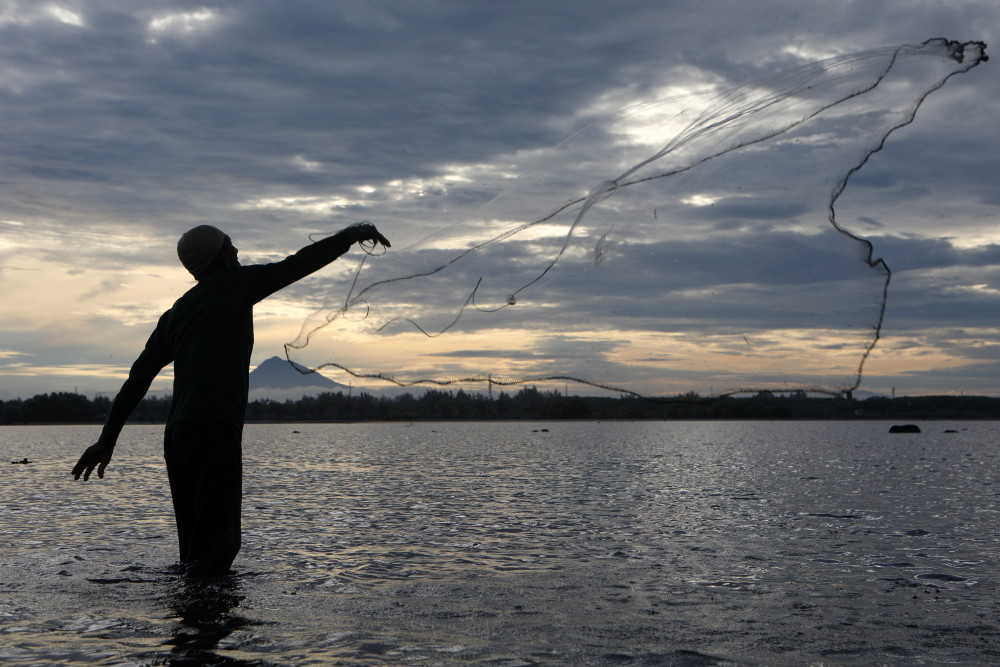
pixel 528 404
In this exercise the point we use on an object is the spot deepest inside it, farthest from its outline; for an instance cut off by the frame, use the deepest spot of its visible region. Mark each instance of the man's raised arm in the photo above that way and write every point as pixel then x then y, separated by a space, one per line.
pixel 315 256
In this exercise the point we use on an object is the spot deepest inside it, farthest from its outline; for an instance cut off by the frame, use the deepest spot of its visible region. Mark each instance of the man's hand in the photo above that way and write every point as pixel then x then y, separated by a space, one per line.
pixel 365 231
pixel 97 455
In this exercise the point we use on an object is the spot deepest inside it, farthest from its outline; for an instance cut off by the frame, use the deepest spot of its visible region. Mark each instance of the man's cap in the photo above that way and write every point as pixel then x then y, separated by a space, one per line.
pixel 198 247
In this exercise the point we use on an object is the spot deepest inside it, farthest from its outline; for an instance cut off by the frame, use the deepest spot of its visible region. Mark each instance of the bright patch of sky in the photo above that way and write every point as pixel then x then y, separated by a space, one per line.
pixel 180 23
pixel 13 12
pixel 699 199
pixel 65 15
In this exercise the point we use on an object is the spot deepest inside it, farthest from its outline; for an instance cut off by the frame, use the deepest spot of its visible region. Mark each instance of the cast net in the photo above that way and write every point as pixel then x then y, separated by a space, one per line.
pixel 686 244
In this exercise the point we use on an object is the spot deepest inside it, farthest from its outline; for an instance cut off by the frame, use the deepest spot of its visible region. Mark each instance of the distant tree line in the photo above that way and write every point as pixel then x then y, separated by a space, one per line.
pixel 527 403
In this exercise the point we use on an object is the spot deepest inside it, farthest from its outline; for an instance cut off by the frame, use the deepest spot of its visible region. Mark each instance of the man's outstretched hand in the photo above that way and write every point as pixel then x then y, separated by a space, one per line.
pixel 365 231
pixel 98 455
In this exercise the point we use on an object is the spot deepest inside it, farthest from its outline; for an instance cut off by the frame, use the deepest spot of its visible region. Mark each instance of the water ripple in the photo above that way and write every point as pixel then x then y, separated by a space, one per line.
pixel 589 543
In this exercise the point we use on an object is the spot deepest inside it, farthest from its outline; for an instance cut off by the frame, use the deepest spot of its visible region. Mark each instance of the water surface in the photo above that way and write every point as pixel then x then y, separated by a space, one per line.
pixel 687 543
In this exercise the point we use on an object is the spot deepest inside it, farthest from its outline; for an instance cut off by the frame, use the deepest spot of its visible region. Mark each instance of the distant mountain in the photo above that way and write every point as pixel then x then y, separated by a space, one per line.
pixel 276 378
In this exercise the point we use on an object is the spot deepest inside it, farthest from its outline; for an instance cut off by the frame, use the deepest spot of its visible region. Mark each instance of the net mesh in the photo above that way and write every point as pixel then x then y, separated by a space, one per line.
pixel 690 243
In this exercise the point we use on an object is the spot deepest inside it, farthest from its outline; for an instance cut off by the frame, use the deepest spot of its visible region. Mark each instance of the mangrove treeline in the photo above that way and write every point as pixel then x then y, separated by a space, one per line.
pixel 527 403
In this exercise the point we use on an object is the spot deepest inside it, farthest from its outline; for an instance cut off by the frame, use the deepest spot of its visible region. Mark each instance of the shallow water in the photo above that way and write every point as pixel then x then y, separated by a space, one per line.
pixel 689 543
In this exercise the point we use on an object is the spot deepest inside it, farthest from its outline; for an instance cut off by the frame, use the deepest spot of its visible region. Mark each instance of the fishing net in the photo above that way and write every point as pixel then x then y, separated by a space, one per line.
pixel 689 243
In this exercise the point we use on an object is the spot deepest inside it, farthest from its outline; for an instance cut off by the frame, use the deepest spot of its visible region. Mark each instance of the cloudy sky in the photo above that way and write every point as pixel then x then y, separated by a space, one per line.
pixel 125 123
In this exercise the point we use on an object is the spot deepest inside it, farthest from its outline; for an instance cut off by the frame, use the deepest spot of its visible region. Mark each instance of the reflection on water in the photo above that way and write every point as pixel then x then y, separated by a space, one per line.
pixel 596 543
pixel 207 613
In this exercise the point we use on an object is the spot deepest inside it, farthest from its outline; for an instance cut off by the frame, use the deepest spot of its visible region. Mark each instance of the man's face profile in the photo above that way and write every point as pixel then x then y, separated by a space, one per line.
pixel 229 253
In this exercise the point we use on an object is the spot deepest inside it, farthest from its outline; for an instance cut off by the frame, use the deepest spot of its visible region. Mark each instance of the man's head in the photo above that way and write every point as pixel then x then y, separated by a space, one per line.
pixel 199 250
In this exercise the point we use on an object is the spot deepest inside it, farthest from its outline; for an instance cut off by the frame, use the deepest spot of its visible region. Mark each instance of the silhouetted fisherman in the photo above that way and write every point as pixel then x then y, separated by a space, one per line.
pixel 208 335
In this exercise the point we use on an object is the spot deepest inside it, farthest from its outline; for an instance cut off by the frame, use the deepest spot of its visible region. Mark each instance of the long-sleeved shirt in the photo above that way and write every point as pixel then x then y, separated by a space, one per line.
pixel 208 335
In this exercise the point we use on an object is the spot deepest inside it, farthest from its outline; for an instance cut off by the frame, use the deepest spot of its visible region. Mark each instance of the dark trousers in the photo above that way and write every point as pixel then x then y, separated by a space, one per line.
pixel 205 468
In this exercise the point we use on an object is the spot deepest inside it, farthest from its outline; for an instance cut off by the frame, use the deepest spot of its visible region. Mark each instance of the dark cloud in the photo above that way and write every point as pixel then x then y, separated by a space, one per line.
pixel 371 95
